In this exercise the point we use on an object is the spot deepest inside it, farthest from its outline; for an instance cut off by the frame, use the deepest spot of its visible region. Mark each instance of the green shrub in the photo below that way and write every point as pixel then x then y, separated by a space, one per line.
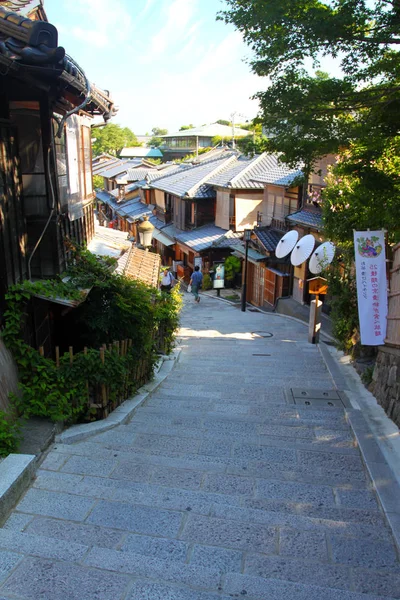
pixel 207 282
pixel 232 267
pixel 117 308
pixel 9 434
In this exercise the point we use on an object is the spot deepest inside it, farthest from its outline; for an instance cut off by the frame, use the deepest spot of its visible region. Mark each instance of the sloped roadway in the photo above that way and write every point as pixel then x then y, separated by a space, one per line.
pixel 217 488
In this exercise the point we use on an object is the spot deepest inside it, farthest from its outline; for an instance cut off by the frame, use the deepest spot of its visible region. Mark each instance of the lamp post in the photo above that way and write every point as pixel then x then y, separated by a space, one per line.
pixel 146 230
pixel 247 236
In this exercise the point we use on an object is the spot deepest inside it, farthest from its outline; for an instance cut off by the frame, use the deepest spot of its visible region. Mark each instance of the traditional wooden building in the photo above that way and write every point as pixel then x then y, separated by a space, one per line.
pixel 46 110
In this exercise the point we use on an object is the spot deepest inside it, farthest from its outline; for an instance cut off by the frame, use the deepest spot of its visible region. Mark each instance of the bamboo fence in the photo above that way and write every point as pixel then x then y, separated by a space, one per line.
pixel 393 319
pixel 101 400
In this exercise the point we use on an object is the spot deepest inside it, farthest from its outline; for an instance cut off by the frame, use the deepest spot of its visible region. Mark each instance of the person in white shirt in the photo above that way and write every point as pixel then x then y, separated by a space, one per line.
pixel 166 281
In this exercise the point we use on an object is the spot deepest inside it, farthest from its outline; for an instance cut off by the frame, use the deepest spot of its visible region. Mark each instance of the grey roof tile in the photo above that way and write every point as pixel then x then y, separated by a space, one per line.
pixel 190 181
pixel 201 238
pixel 252 173
pixel 271 170
pixel 268 237
pixel 311 218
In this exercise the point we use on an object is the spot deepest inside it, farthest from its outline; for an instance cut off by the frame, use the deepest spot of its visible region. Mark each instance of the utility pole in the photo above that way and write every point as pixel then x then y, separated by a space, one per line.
pixel 233 115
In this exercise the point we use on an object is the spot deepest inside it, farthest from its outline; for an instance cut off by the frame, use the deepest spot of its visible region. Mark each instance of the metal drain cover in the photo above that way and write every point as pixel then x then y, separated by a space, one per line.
pixel 317 398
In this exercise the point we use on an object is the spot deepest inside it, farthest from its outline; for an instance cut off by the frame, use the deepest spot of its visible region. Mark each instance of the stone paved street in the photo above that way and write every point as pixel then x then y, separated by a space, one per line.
pixel 216 489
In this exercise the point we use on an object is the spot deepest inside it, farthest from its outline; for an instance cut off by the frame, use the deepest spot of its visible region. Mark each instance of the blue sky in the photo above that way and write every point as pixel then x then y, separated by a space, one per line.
pixel 167 63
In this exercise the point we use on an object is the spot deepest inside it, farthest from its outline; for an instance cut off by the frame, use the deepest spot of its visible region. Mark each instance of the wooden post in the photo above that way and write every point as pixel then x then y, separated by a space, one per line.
pixel 41 350
pixel 57 356
pixel 71 355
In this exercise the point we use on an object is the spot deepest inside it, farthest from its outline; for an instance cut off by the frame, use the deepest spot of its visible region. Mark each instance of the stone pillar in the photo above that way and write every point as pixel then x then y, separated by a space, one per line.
pixel 313 307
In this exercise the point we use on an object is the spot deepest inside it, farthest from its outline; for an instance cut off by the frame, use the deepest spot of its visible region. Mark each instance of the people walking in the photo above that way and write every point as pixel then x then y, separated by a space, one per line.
pixel 195 281
pixel 167 281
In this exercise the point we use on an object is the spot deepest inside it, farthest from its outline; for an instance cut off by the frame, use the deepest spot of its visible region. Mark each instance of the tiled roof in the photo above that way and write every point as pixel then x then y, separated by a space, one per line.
pixel 158 224
pixel 253 255
pixel 133 208
pixel 230 238
pixel 275 172
pixel 211 130
pixel 190 182
pixel 104 164
pixel 109 242
pixel 115 170
pixel 139 174
pixel 311 218
pixel 252 173
pixel 34 44
pixel 268 237
pixel 201 238
pixel 144 266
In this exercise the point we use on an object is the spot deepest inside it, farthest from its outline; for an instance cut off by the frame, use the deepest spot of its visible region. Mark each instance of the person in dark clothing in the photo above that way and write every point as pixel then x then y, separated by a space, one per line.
pixel 195 281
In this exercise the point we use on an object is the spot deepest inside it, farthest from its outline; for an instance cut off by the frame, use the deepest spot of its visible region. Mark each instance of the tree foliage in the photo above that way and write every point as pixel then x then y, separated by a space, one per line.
pixel 112 138
pixel 309 116
pixel 156 140
pixel 185 127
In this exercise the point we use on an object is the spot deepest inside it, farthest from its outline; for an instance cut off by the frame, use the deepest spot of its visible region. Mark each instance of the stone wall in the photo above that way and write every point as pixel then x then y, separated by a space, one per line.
pixel 386 381
pixel 8 376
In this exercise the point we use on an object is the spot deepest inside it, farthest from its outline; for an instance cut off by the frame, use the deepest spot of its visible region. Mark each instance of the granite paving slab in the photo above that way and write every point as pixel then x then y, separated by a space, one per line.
pixel 216 489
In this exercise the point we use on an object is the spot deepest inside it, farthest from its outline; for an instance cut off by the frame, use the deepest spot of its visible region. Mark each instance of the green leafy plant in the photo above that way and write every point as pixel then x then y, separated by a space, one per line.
pixel 366 377
pixel 232 267
pixel 207 282
pixel 117 308
pixel 9 434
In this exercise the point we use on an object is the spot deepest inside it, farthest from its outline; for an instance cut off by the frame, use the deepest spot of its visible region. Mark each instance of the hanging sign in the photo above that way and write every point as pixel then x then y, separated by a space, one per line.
pixel 219 275
pixel 371 285
pixel 198 262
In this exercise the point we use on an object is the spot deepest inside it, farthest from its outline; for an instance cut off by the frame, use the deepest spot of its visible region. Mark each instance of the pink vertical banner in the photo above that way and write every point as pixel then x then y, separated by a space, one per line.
pixel 372 296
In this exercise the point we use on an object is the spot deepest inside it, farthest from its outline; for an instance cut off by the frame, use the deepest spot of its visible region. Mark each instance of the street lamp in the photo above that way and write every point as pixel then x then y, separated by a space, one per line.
pixel 145 230
pixel 247 236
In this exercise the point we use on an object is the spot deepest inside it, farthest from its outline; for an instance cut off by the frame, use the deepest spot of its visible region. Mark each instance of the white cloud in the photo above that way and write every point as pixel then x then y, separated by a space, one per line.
pixel 106 22
pixel 91 36
pixel 178 16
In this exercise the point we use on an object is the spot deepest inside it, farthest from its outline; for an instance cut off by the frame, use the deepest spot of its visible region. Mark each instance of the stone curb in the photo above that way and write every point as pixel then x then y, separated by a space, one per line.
pixel 125 411
pixel 383 479
pixel 16 472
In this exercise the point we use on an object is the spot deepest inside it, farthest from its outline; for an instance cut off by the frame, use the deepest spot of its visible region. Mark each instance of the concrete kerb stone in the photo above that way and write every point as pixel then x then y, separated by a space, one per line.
pixel 376 456
pixel 16 472
pixel 123 413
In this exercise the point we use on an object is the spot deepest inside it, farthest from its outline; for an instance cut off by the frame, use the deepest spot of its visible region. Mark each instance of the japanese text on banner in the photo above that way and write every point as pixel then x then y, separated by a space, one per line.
pixel 371 285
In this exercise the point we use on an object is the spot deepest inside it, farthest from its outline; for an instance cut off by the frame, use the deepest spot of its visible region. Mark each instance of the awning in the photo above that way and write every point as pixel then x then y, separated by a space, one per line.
pixel 252 256
pixel 162 238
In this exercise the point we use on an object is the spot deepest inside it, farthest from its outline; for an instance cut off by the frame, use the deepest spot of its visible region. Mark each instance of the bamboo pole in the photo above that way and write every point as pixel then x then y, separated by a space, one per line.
pixel 71 355
pixel 57 356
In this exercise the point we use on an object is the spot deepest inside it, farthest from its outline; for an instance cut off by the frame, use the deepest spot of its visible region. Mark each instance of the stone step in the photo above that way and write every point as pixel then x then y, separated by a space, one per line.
pixel 335 475
pixel 299 505
pixel 164 558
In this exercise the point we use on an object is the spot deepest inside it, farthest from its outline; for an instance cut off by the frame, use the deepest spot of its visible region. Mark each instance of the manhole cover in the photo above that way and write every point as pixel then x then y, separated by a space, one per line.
pixel 262 334
pixel 317 398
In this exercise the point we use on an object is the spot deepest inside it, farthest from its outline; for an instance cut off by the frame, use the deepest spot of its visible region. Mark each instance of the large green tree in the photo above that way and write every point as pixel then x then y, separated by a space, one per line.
pixel 356 114
pixel 307 116
pixel 112 138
